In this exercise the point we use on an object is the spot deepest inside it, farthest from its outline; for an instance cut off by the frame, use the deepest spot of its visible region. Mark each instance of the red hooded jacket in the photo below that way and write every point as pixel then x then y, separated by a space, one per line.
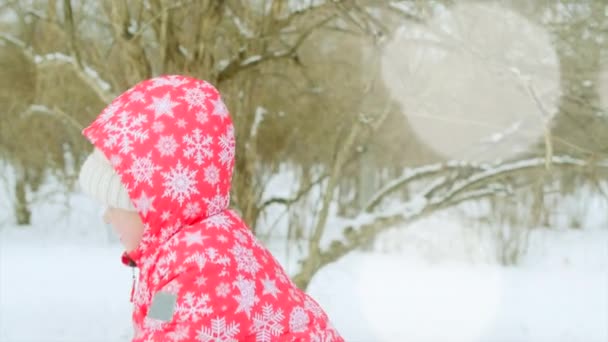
pixel 203 276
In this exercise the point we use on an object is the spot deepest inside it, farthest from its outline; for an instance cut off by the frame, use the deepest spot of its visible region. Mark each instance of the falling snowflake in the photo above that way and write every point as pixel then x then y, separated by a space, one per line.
pixel 162 106
pixel 172 81
pixel 270 287
pixel 158 127
pixel 247 297
pixel 267 324
pixel 192 210
pixel 212 174
pixel 222 290
pixel 217 203
pixel 166 145
pixel 219 331
pixel 192 307
pixel 126 131
pixel 180 183
pixel 298 320
pixel 219 109
pixel 227 145
pixel 180 333
pixel 194 97
pixel 144 203
pixel 143 169
pixel 202 117
pixel 198 146
pixel 245 259
pixel 219 221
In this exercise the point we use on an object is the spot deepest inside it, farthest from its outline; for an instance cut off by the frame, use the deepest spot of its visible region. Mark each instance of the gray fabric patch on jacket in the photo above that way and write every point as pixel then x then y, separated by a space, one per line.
pixel 163 306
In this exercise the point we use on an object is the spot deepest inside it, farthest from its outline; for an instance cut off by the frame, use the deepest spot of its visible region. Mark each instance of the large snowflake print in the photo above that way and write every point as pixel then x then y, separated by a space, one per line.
pixel 110 111
pixel 193 308
pixel 227 146
pixel 219 331
pixel 143 169
pixel 180 183
pixel 267 324
pixel 219 221
pixel 125 131
pixel 245 259
pixel 198 146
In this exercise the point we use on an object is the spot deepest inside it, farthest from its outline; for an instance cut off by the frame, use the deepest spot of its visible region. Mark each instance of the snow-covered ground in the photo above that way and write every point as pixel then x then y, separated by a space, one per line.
pixel 61 280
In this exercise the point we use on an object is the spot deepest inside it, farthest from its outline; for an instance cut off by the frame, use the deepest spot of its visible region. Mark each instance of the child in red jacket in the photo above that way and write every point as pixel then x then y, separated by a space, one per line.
pixel 163 163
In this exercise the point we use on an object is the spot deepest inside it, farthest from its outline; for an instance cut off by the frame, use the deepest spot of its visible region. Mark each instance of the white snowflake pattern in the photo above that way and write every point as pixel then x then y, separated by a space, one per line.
pixel 166 145
pixel 172 81
pixel 158 127
pixel 153 325
pixel 227 145
pixel 294 295
pixel 212 174
pixel 197 258
pixel 194 97
pixel 247 297
pixel 298 320
pixel 137 96
pixel 143 169
pixel 198 146
pixel 280 275
pixel 222 290
pixel 192 307
pixel 219 221
pixel 194 238
pixel 267 324
pixel 192 210
pixel 180 333
pixel 181 123
pixel 144 203
pixel 245 259
pixel 217 203
pixel 312 306
pixel 219 109
pixel 163 106
pixel 126 131
pixel 165 215
pixel 180 183
pixel 270 287
pixel 240 236
pixel 201 281
pixel 222 238
pixel 219 331
pixel 172 287
pixel 109 112
pixel 202 117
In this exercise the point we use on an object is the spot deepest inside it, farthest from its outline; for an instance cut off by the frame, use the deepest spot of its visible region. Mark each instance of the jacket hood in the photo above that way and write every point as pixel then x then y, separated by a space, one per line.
pixel 171 141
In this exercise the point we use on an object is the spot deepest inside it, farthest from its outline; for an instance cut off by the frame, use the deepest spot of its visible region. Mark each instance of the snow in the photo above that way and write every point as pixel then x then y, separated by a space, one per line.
pixel 435 280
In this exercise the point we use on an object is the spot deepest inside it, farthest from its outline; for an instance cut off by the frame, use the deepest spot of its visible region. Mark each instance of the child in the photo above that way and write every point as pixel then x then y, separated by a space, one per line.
pixel 163 163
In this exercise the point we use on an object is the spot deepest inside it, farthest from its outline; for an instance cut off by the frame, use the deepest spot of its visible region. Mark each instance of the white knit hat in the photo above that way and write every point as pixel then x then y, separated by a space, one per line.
pixel 98 179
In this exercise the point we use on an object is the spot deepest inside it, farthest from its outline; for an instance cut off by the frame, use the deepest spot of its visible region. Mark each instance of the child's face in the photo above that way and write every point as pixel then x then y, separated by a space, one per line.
pixel 128 226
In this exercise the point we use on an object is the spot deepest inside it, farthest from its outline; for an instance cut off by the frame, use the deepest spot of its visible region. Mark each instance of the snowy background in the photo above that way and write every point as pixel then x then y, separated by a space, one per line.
pixel 436 280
